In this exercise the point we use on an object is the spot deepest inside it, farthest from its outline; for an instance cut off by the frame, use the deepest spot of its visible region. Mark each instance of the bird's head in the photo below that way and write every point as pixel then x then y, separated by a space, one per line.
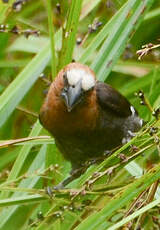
pixel 78 80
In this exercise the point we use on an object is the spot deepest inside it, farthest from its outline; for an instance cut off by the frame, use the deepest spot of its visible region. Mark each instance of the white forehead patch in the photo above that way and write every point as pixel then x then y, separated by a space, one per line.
pixel 75 75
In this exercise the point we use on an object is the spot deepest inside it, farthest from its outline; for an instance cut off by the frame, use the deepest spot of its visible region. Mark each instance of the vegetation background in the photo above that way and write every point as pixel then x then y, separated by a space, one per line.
pixel 37 38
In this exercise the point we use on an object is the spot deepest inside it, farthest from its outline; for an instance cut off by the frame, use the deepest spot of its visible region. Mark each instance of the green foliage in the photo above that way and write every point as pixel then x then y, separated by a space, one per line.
pixel 28 165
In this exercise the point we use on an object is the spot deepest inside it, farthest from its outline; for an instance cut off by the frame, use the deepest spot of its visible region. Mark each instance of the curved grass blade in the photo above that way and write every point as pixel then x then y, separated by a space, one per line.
pixel 23 82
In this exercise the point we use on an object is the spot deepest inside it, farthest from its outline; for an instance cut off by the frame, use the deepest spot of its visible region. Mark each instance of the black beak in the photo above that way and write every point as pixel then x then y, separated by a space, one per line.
pixel 72 95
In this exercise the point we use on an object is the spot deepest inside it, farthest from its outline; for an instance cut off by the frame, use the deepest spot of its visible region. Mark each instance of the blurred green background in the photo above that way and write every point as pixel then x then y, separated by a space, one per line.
pixel 18 50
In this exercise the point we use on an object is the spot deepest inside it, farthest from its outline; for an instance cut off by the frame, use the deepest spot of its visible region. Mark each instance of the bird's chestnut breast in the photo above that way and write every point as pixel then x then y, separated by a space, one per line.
pixel 57 120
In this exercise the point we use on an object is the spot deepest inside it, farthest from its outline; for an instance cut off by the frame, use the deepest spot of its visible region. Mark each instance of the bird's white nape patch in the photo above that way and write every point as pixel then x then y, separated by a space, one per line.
pixel 74 75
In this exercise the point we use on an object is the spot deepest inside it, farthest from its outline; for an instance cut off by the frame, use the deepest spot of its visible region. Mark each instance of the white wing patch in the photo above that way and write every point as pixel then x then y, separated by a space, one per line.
pixel 132 110
pixel 140 121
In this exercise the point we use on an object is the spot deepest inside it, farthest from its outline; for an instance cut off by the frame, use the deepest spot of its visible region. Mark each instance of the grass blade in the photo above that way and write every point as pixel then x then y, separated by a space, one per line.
pixel 88 6
pixel 23 154
pixel 69 36
pixel 133 190
pixel 8 215
pixel 135 214
pixel 23 82
pixel 21 200
pixel 113 48
pixel 4 10
pixel 99 38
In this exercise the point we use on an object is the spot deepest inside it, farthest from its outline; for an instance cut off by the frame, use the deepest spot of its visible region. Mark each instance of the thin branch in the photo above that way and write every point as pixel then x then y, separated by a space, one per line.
pixel 21 140
pixel 146 49
pixel 20 108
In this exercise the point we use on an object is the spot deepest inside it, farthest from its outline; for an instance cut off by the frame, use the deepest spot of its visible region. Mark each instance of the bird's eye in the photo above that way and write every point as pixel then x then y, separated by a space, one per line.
pixel 65 75
pixel 73 86
pixel 65 79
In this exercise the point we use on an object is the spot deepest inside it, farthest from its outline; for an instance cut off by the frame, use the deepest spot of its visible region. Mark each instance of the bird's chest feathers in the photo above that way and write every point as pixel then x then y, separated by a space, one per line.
pixel 82 118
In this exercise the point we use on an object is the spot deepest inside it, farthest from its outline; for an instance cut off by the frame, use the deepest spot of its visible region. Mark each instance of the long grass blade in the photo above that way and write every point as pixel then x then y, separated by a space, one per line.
pixel 23 82
pixel 69 35
pixel 112 48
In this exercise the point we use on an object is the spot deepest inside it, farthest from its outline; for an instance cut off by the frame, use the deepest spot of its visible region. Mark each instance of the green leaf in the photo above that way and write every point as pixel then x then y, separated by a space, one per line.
pixel 4 10
pixel 23 82
pixel 88 6
pixel 26 199
pixel 152 14
pixel 99 38
pixel 69 36
pixel 114 45
pixel 29 45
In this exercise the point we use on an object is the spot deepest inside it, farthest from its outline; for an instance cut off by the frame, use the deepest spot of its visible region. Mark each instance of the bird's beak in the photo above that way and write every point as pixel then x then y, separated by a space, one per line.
pixel 72 95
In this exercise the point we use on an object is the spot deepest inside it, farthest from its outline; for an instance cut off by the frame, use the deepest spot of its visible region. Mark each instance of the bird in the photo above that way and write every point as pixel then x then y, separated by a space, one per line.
pixel 86 117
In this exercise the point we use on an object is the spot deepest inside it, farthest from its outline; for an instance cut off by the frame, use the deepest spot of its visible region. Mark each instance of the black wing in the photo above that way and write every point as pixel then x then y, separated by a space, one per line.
pixel 111 99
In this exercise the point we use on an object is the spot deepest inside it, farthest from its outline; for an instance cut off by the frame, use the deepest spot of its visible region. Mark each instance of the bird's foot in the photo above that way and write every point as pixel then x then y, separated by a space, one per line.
pixel 75 173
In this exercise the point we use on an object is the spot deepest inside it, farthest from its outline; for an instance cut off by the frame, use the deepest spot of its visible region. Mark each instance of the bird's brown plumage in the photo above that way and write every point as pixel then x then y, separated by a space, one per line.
pixel 101 121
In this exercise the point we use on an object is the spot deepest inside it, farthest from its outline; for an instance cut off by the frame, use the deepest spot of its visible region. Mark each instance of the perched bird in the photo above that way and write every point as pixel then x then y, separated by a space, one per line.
pixel 86 117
